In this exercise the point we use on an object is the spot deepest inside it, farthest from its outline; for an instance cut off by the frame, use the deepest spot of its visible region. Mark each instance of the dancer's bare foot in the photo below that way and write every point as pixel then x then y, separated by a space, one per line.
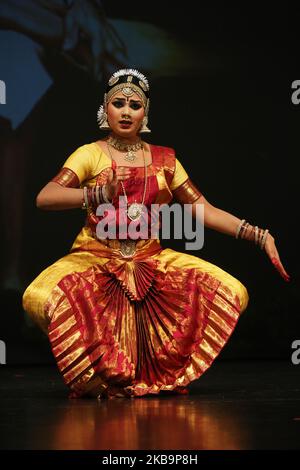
pixel 113 391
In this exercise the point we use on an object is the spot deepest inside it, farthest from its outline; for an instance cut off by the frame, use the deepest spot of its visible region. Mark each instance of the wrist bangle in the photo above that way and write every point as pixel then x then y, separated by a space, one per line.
pixel 264 238
pixel 97 196
pixel 239 228
pixel 243 232
pixel 256 234
pixel 104 195
pixel 251 234
pixel 85 202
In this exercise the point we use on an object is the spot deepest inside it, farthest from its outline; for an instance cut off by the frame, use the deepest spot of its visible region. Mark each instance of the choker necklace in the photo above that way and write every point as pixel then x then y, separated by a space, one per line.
pixel 130 148
pixel 134 211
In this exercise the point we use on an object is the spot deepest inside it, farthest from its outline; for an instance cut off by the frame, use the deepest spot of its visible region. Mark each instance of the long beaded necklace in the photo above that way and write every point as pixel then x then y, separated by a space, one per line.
pixel 134 211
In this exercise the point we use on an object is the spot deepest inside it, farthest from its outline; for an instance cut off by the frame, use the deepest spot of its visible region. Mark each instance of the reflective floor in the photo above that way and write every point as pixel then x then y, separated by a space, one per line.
pixel 234 405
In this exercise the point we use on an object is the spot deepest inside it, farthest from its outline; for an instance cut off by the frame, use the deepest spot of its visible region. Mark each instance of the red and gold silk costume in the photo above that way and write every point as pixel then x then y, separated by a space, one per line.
pixel 140 325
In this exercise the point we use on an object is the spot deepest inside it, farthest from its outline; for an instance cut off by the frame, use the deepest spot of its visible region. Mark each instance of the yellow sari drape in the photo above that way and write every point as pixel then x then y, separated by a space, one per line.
pixel 134 326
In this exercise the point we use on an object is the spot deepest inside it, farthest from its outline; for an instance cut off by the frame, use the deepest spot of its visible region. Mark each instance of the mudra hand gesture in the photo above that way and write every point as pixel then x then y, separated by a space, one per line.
pixel 117 174
pixel 272 252
pixel 265 240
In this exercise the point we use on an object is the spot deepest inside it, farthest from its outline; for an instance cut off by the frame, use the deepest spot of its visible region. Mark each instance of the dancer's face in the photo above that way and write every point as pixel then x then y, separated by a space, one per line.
pixel 125 115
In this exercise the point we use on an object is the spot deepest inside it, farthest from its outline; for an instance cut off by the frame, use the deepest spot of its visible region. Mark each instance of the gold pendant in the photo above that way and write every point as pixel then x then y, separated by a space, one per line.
pixel 130 156
pixel 134 211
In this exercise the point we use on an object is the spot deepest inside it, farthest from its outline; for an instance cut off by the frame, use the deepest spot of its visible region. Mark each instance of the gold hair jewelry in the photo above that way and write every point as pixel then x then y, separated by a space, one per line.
pixel 127 88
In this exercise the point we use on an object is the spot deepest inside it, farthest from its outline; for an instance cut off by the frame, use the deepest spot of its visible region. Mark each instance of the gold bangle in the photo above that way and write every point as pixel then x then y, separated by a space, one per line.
pixel 256 234
pixel 85 204
pixel 244 229
pixel 104 195
pixel 264 239
pixel 239 228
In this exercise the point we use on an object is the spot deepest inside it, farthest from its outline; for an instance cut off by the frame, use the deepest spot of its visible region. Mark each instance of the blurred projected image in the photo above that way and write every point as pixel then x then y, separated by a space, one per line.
pixel 40 41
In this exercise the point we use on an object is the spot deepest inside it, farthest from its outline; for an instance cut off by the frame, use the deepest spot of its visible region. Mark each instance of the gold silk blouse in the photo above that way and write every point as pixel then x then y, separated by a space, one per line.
pixel 89 164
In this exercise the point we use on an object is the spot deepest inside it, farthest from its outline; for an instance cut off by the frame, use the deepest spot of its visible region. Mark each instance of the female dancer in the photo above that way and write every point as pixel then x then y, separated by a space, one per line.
pixel 124 316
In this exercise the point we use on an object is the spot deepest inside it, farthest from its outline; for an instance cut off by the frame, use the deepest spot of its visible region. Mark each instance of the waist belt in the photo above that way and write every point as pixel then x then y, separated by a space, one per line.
pixel 126 247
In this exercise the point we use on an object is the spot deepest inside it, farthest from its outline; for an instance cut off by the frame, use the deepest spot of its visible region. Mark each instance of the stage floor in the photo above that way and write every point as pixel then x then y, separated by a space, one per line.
pixel 234 405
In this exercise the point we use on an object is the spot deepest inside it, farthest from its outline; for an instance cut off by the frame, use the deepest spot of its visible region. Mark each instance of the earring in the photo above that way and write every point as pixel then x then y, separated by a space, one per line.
pixel 144 127
pixel 104 125
pixel 102 119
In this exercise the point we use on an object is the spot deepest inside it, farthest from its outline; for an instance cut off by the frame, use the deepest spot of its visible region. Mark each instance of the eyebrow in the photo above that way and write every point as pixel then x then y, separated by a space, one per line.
pixel 131 100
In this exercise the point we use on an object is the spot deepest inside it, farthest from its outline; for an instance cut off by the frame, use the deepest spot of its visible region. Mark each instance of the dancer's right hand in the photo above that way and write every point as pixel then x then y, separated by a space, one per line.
pixel 117 174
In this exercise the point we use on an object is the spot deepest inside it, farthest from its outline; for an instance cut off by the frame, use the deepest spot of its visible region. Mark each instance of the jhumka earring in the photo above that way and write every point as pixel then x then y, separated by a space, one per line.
pixel 144 127
pixel 102 118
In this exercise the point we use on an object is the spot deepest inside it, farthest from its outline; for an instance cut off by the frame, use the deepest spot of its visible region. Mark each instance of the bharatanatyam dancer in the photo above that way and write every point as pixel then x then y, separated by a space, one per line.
pixel 126 317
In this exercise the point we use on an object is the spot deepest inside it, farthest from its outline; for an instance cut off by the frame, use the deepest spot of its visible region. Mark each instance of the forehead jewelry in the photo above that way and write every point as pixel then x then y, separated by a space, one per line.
pixel 127 82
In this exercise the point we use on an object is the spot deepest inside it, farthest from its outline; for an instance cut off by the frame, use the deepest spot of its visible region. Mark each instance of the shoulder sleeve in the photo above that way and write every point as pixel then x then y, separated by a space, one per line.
pixel 183 189
pixel 180 175
pixel 77 168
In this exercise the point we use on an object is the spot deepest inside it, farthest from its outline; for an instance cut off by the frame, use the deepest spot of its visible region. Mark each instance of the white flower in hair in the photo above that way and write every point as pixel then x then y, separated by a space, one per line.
pixel 134 72
pixel 100 115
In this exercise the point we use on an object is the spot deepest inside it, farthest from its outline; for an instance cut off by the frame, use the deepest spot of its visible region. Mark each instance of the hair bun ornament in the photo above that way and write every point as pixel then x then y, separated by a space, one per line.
pixel 113 80
pixel 127 82
pixel 134 72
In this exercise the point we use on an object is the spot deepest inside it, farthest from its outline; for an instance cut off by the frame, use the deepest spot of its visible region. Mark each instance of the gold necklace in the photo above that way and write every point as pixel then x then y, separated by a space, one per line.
pixel 121 146
pixel 134 211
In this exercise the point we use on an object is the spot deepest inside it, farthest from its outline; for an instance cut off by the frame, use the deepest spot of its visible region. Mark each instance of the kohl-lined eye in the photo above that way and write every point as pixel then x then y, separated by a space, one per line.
pixel 135 106
pixel 118 104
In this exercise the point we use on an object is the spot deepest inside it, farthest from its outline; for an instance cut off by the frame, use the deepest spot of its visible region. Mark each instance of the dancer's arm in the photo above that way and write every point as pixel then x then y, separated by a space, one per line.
pixel 222 221
pixel 55 197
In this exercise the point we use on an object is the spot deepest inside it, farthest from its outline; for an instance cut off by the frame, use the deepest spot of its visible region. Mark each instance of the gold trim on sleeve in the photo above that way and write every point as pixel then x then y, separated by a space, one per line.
pixel 187 192
pixel 67 178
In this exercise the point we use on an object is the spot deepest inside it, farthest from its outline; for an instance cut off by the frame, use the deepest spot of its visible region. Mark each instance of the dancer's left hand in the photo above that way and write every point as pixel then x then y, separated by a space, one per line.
pixel 272 252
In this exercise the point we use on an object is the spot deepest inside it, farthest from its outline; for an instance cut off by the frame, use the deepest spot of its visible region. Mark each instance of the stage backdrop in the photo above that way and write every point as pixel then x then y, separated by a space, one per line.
pixel 223 93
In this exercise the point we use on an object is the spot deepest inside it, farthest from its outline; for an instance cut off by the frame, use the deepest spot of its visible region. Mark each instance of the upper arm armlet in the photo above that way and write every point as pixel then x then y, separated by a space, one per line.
pixel 187 193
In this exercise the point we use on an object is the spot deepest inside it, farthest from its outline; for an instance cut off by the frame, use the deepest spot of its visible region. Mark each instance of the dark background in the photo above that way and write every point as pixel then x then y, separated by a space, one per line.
pixel 235 130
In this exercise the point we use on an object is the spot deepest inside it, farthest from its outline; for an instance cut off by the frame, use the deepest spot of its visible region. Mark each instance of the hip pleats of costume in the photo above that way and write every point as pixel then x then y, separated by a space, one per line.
pixel 144 324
